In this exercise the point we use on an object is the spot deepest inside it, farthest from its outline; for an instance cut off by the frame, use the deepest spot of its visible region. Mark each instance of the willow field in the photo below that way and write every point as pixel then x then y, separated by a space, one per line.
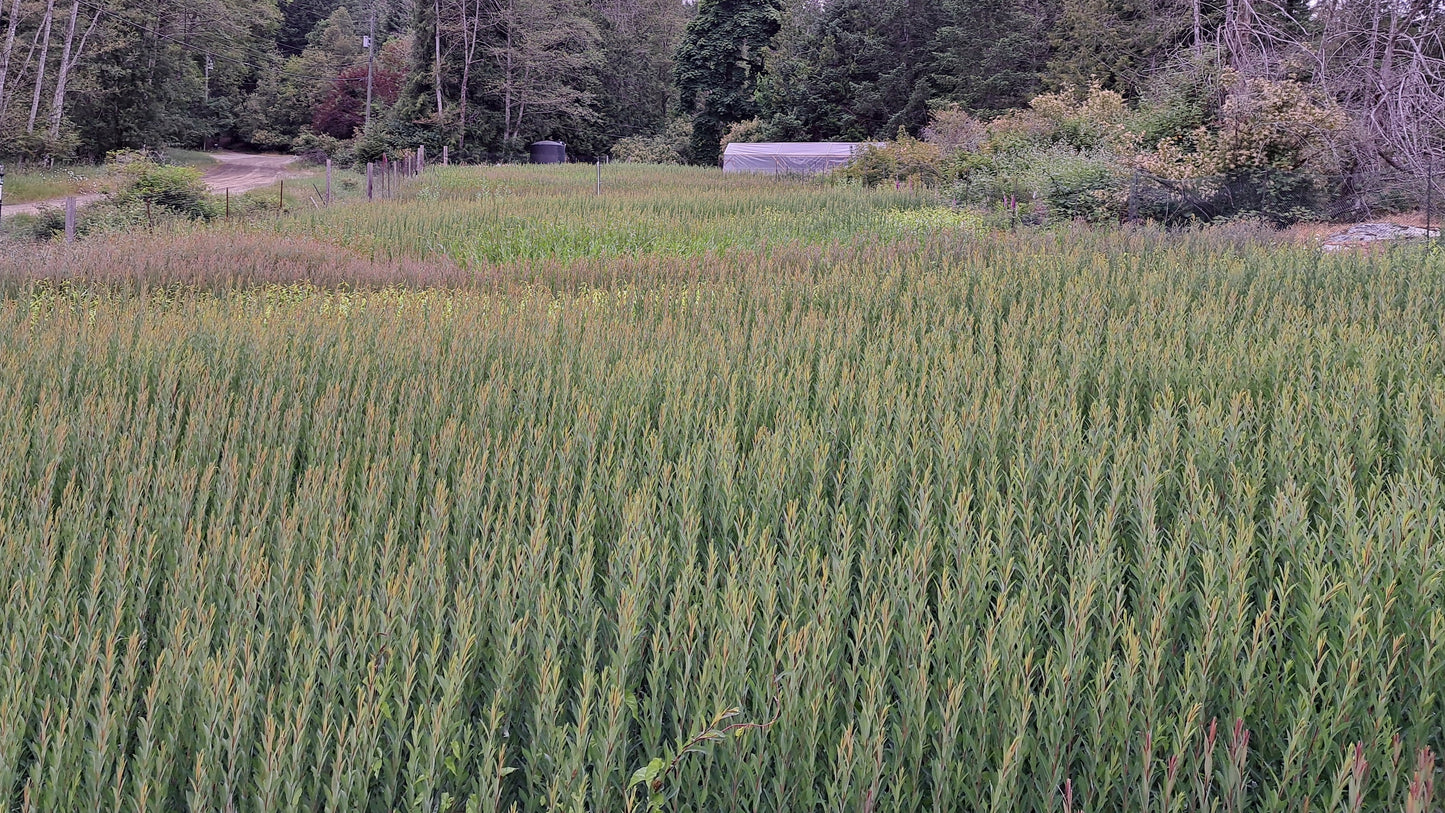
pixel 717 495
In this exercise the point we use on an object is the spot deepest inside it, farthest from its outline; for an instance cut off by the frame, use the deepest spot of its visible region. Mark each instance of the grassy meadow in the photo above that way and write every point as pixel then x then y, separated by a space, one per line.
pixel 716 494
pixel 39 183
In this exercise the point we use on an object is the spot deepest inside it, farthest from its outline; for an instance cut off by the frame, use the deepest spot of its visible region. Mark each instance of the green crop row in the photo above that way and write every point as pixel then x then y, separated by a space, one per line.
pixel 481 216
pixel 1040 522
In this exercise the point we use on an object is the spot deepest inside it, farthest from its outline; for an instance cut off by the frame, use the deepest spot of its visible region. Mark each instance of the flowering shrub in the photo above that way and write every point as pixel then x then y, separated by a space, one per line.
pixel 1266 150
pixel 904 161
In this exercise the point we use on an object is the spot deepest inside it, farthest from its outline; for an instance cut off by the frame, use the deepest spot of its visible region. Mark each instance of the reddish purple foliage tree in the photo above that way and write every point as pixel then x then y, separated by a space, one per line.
pixel 343 109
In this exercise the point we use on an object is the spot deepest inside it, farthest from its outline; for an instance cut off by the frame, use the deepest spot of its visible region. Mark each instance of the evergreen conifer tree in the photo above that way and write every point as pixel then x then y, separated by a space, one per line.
pixel 718 66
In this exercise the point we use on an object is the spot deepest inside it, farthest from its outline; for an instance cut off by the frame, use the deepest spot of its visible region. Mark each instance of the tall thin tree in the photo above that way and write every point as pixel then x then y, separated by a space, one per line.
pixel 69 57
pixel 370 66
pixel 437 63
pixel 471 18
pixel 9 49
pixel 40 71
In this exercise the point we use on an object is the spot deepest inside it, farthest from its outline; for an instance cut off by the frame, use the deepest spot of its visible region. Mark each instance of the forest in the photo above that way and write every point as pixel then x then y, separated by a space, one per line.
pixel 1352 91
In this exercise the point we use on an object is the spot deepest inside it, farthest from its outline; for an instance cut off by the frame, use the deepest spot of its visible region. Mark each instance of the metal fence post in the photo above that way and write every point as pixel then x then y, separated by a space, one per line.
pixel 1429 191
pixel 1134 198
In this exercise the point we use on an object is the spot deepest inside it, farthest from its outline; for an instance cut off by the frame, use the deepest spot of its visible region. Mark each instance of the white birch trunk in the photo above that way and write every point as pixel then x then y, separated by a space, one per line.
pixel 471 38
pixel 40 71
pixel 57 104
pixel 8 51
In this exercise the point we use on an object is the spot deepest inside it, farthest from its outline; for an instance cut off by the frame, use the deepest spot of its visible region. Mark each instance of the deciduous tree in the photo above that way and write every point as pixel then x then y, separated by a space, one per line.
pixel 543 63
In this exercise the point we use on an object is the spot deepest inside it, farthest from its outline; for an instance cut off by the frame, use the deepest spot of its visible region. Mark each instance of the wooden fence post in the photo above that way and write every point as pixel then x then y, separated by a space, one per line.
pixel 328 181
pixel 70 220
pixel 446 156
pixel 369 166
pixel 420 159
pixel 281 198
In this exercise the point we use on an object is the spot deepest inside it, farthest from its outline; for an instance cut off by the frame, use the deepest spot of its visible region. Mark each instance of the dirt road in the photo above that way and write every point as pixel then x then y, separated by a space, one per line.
pixel 238 172
pixel 241 173
pixel 33 207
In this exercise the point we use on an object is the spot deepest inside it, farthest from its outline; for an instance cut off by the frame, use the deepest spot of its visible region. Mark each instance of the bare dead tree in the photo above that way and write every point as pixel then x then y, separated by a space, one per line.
pixel 1382 61
pixel 469 19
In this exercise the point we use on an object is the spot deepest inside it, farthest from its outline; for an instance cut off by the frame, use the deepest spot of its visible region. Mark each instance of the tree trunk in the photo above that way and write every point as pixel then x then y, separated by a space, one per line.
pixel 462 111
pixel 370 67
pixel 1387 63
pixel 40 71
pixel 9 49
pixel 522 100
pixel 471 38
pixel 507 94
pixel 1198 27
pixel 437 4
pixel 57 104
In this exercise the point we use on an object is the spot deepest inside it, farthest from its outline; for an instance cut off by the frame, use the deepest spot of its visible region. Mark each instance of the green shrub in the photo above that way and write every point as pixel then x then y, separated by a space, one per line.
pixel 666 147
pixel 954 130
pixel 905 160
pixel 368 147
pixel 1044 183
pixel 316 148
pixel 1080 185
pixel 178 189
pixel 752 131
pixel 47 223
pixel 269 140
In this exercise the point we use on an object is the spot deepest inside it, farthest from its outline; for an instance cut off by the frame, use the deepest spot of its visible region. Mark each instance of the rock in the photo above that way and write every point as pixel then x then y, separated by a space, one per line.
pixel 1363 234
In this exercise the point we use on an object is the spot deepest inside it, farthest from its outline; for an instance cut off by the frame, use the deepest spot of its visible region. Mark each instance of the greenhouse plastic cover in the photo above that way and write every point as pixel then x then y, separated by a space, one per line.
pixel 785 157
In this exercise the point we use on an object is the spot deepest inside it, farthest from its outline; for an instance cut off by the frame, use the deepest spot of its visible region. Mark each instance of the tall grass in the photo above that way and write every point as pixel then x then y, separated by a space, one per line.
pixel 481 216
pixel 1098 521
pixel 189 158
pixel 40 184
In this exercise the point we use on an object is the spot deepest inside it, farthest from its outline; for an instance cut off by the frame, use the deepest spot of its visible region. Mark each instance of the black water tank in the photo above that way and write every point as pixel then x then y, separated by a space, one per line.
pixel 549 152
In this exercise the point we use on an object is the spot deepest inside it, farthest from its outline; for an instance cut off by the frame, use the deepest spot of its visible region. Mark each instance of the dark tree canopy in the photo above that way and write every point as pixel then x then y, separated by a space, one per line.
pixel 299 19
pixel 718 66
pixel 990 54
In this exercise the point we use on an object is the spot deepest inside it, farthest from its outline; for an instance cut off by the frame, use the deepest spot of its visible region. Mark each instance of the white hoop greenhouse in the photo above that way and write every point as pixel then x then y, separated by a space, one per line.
pixel 789 157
